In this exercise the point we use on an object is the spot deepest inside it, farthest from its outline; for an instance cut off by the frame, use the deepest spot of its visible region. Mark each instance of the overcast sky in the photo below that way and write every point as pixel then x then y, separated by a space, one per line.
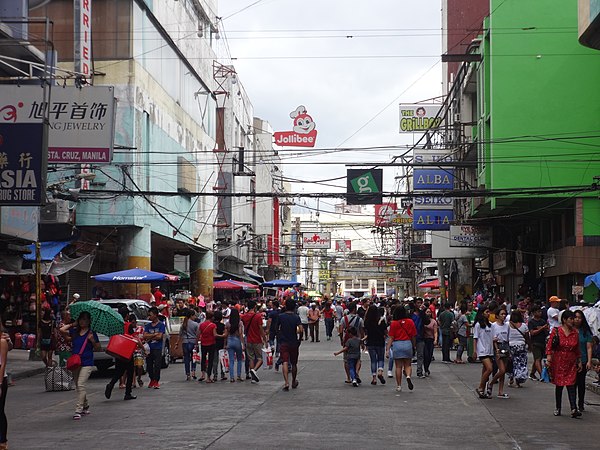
pixel 289 53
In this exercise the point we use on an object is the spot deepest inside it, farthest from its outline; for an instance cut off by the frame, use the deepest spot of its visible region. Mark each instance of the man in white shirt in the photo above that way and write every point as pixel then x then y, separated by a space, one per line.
pixel 553 312
pixel 303 313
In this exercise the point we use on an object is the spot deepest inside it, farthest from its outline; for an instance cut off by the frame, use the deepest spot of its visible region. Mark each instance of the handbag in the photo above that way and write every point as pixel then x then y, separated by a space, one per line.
pixel 58 379
pixel 503 349
pixel 74 361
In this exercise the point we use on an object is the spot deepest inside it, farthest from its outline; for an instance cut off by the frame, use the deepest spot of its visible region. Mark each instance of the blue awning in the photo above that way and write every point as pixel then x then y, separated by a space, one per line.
pixel 48 250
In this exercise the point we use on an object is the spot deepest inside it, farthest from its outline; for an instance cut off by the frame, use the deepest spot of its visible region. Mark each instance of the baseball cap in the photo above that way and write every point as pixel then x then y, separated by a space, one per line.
pixel 553 299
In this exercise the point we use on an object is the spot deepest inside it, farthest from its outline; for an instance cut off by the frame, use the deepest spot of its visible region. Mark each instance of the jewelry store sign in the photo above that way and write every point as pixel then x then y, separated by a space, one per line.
pixel 81 120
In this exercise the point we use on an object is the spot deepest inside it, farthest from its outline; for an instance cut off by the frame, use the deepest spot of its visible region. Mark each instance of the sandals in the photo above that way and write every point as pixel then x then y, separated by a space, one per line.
pixel 481 393
pixel 286 388
pixel 503 396
pixel 295 384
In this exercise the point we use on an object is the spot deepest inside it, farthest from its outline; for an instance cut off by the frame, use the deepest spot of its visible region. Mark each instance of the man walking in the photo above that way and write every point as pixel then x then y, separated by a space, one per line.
pixel 314 315
pixel 288 329
pixel 122 367
pixel 445 321
pixel 153 334
pixel 255 339
pixel 303 313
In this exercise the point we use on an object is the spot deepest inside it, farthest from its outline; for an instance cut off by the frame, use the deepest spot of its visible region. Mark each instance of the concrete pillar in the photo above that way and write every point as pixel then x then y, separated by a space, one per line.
pixel 135 252
pixel 201 272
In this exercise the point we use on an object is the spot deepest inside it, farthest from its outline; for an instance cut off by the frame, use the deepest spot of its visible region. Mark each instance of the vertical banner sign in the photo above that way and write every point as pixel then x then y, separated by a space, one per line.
pixel 364 186
pixel 22 164
pixel 83 37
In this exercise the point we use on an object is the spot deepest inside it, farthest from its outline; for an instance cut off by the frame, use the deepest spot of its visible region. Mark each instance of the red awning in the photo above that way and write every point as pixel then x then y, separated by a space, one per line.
pixel 233 285
pixel 433 284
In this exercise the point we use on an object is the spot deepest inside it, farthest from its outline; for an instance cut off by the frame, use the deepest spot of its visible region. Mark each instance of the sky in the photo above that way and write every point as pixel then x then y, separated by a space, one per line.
pixel 349 62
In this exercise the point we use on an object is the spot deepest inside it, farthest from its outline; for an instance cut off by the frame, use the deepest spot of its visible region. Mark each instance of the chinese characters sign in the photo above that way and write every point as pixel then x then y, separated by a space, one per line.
pixel 81 121
pixel 304 133
pixel 22 165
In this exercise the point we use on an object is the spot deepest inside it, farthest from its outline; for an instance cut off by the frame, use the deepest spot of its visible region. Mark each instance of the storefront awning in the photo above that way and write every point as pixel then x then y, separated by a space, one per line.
pixel 252 274
pixel 222 274
pixel 48 250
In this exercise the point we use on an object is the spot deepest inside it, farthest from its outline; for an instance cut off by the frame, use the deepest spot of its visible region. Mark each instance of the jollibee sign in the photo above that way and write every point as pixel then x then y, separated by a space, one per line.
pixel 304 133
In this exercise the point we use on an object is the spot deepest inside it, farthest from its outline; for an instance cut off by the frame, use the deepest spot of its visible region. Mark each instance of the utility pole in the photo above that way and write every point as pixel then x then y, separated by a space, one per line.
pixel 34 353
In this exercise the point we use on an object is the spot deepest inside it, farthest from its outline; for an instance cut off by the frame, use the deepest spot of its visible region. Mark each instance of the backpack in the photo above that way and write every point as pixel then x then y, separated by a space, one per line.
pixel 347 325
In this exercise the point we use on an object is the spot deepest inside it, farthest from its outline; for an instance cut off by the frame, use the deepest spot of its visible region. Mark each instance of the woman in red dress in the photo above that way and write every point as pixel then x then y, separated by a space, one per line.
pixel 564 359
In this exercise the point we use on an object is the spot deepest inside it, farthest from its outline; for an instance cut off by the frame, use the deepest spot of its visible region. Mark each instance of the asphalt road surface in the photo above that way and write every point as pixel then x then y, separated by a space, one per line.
pixel 442 412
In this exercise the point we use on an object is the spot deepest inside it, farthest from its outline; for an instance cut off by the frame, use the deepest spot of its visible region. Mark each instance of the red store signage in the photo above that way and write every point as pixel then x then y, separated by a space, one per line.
pixel 304 133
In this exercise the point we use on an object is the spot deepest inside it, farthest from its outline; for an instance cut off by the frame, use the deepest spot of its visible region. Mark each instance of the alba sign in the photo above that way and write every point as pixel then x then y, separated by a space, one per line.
pixel 304 133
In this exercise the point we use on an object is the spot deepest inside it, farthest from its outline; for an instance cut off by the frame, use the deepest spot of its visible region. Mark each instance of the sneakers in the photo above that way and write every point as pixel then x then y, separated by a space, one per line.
pixel 354 383
pixel 76 416
pixel 130 397
pixel 254 376
pixel 156 385
pixel 86 411
pixel 381 379
pixel 390 374
pixel 398 388
pixel 108 390
pixel 427 373
pixel 358 380
pixel 421 376
pixel 140 381
pixel 410 384
pixel 151 384
pixel 532 377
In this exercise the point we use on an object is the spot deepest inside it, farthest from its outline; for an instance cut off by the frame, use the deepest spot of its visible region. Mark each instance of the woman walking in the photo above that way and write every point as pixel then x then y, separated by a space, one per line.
pixel 430 336
pixel 564 357
pixel 484 347
pixel 188 339
pixel 84 342
pixel 4 347
pixel 585 347
pixel 402 343
pixel 329 314
pixel 234 332
pixel 376 331
pixel 208 335
pixel 502 353
pixel 518 338
pixel 461 331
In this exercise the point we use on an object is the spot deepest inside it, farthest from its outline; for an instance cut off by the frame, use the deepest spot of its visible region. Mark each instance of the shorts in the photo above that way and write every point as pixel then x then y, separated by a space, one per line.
pixel 254 351
pixel 402 350
pixel 46 344
pixel 289 353
pixel 538 351
pixel 481 358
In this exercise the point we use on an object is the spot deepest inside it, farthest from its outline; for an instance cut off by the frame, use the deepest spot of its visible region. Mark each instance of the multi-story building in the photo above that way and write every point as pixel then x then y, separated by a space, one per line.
pixel 529 111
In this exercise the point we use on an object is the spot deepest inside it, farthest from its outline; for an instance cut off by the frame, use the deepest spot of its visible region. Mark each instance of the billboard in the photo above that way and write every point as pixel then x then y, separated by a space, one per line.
pixel 22 164
pixel 343 245
pixel 433 219
pixel 470 236
pixel 81 121
pixel 384 214
pixel 303 134
pixel 364 186
pixel 433 179
pixel 419 117
pixel 316 240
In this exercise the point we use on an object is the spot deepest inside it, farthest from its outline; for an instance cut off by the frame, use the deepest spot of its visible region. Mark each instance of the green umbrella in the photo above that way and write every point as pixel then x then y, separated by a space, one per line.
pixel 105 320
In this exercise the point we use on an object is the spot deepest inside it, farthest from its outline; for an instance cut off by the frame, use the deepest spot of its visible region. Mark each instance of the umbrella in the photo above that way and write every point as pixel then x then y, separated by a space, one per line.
pixel 433 284
pixel 135 276
pixel 281 283
pixel 234 285
pixel 105 320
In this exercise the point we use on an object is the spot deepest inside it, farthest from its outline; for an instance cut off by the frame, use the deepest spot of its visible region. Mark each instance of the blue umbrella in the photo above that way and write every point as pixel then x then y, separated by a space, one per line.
pixel 281 283
pixel 135 276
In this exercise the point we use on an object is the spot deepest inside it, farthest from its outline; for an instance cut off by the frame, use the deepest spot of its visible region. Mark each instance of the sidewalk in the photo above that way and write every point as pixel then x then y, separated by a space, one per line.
pixel 19 365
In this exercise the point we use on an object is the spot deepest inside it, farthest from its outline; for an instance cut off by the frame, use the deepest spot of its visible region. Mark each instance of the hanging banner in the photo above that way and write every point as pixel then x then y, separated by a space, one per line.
pixel 304 133
pixel 364 186
pixel 22 164
pixel 82 38
pixel 419 117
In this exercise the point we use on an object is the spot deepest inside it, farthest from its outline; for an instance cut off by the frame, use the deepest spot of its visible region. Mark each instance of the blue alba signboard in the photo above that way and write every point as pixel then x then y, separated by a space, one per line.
pixel 433 179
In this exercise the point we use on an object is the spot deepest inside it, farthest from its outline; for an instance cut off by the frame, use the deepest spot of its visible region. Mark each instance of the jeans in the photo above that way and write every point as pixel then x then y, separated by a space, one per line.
pixel 217 365
pixel 153 363
pixel 446 345
pixel 314 330
pixel 329 327
pixel 391 361
pixel 3 420
pixel 234 348
pixel 207 354
pixel 427 353
pixel 377 355
pixel 420 357
pixel 120 368
pixel 571 391
pixel 304 332
pixel 580 384
pixel 352 362
pixel 81 376
pixel 188 362
pixel 462 345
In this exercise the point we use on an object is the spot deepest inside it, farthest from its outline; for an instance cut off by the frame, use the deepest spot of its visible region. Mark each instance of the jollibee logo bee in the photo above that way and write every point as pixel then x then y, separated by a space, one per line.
pixel 304 133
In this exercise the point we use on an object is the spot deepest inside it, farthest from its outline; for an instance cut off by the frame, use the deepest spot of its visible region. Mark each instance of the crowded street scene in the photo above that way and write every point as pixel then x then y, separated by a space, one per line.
pixel 266 224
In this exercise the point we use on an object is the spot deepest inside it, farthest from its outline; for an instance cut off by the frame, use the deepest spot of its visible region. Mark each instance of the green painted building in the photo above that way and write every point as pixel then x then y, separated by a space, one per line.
pixel 534 107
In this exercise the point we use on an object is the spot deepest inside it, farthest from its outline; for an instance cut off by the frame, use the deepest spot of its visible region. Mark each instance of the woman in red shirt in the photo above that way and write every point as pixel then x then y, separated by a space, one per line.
pixel 328 313
pixel 402 342
pixel 207 333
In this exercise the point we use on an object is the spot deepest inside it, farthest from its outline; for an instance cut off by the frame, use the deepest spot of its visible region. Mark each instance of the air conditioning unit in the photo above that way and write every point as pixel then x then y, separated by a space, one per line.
pixel 56 211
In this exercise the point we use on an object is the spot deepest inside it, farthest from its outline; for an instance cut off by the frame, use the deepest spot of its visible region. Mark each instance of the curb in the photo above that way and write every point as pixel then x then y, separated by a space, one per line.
pixel 27 373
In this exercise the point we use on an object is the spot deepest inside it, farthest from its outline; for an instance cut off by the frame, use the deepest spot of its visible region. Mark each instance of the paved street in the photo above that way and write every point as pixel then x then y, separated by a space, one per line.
pixel 324 412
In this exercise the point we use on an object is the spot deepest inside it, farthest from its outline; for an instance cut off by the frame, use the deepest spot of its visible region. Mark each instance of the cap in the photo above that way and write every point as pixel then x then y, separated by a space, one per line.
pixel 76 296
pixel 553 299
